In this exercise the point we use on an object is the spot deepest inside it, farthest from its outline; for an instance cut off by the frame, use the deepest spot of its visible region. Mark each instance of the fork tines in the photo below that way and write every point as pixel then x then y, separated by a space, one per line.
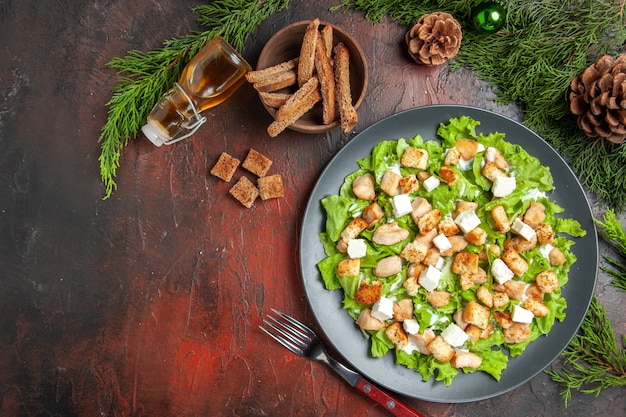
pixel 289 332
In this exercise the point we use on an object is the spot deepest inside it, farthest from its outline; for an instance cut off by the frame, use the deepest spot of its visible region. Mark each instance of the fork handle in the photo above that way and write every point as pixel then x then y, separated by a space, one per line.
pixel 391 404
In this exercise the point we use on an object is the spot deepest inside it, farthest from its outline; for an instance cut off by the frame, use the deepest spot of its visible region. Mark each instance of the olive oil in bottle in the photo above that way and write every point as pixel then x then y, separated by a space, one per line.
pixel 211 76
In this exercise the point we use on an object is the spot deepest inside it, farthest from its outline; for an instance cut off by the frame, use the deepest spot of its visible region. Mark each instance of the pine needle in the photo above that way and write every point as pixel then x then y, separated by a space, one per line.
pixel 593 361
pixel 145 76
pixel 531 61
pixel 612 231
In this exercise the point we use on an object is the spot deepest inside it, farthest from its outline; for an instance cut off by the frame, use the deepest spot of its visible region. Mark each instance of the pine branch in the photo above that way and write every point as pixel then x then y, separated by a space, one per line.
pixel 145 76
pixel 612 231
pixel 542 47
pixel 593 361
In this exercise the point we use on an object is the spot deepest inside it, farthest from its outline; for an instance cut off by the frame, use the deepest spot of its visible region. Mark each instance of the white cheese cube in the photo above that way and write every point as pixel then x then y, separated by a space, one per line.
pixel 357 248
pixel 401 205
pixel 429 278
pixel 442 242
pixel 383 309
pixel 467 221
pixel 522 229
pixel 431 183
pixel 521 315
pixel 503 186
pixel 454 335
pixel 440 263
pixel 411 326
pixel 501 271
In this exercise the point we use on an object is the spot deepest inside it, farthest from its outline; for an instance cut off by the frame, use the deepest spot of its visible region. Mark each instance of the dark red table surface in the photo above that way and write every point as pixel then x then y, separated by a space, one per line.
pixel 148 303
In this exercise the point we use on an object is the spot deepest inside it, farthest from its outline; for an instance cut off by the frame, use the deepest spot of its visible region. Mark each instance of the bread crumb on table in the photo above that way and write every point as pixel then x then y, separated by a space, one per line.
pixel 244 191
pixel 257 163
pixel 270 187
pixel 225 167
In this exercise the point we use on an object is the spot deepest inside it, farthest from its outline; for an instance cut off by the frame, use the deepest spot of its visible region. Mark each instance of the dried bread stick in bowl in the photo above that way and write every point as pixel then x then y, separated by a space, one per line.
pixel 299 52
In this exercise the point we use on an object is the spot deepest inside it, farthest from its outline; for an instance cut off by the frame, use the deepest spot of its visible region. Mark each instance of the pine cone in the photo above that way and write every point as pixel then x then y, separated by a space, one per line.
pixel 434 39
pixel 598 98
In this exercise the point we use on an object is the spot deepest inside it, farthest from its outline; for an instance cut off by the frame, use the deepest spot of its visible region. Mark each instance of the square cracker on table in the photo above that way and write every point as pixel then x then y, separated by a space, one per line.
pixel 244 191
pixel 225 167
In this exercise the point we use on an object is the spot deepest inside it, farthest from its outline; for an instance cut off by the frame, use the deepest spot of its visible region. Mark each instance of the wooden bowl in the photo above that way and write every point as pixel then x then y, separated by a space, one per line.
pixel 286 44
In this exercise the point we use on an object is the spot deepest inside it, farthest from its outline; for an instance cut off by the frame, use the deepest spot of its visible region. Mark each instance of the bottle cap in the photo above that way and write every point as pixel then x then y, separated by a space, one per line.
pixel 156 135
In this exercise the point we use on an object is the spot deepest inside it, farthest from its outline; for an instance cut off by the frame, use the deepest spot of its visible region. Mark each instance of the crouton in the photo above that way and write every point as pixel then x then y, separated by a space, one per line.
pixel 347 113
pixel 225 167
pixel 414 252
pixel 545 234
pixel 397 335
pixel 270 187
pixel 556 257
pixel 409 184
pixel 448 227
pixel 368 293
pixel 465 263
pixel 390 183
pixel 349 267
pixel 500 219
pixel 466 360
pixel 517 333
pixel 538 308
pixel 368 322
pixel 438 299
pixel 465 282
pixel 515 289
pixel 244 191
pixel 429 221
pixel 500 299
pixel 306 64
pixel 547 281
pixel 353 229
pixel 491 171
pixel 411 285
pixel 476 314
pixel 441 350
pixel 477 236
pixel 535 214
pixel 257 163
pixel 414 158
pixel 403 310
pixel 515 262
pixel 534 291
pixel 484 296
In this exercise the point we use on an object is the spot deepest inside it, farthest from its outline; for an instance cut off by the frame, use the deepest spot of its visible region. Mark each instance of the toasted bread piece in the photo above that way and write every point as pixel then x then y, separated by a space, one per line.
pixel 326 34
pixel 326 76
pixel 244 191
pixel 282 80
pixel 347 113
pixel 225 167
pixel 271 72
pixel 301 102
pixel 257 163
pixel 274 99
pixel 270 187
pixel 306 64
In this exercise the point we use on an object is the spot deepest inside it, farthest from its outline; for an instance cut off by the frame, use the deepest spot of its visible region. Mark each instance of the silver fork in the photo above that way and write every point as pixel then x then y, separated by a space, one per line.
pixel 303 341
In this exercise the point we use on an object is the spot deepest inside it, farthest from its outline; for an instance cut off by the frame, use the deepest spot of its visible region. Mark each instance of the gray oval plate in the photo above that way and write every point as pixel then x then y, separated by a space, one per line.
pixel 345 337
